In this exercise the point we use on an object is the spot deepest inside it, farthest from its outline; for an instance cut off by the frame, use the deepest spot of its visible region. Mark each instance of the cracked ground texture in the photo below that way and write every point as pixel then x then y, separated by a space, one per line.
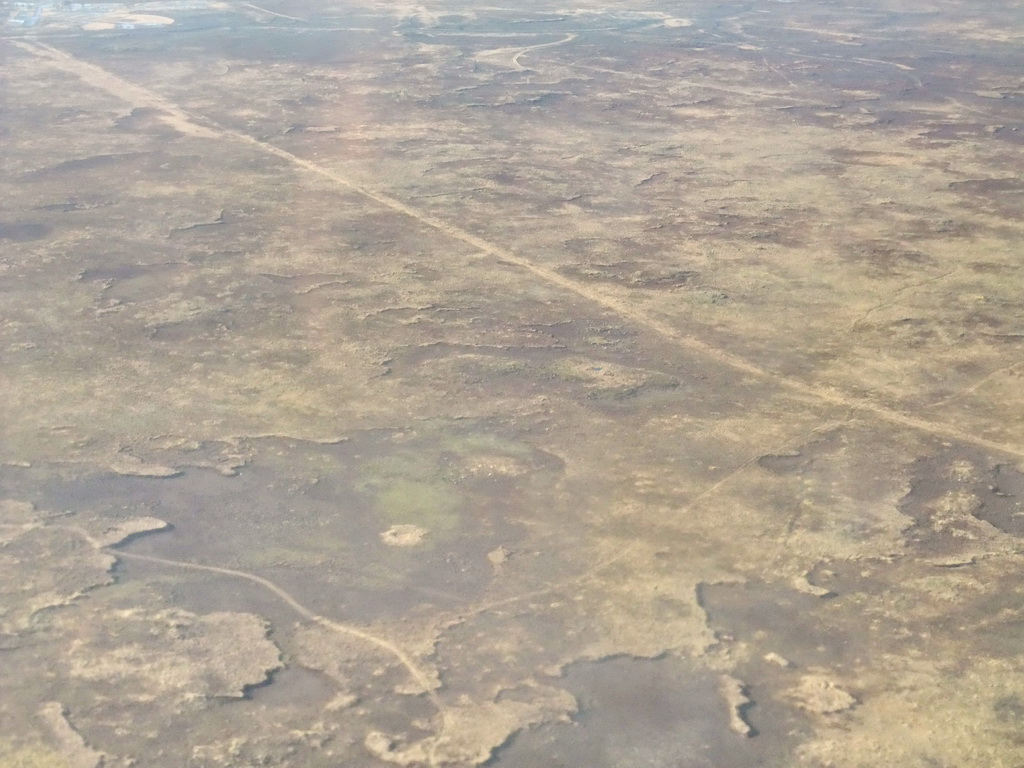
pixel 448 385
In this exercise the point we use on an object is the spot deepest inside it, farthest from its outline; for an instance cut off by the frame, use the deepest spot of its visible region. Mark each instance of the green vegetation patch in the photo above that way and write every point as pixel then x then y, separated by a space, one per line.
pixel 410 488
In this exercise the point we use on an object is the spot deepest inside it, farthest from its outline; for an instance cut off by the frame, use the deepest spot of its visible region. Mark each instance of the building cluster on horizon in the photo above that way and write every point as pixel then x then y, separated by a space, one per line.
pixel 27 15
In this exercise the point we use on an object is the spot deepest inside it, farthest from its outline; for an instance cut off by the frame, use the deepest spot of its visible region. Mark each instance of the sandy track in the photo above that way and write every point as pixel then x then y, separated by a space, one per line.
pixel 515 59
pixel 180 118
pixel 519 51
pixel 421 678
pixel 272 13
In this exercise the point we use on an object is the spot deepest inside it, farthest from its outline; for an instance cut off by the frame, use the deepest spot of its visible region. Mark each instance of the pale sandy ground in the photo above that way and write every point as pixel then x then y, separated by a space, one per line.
pixel 393 386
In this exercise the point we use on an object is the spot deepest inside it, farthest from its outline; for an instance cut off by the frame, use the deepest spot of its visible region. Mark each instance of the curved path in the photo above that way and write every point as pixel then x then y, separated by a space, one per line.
pixel 421 678
pixel 518 51
pixel 515 59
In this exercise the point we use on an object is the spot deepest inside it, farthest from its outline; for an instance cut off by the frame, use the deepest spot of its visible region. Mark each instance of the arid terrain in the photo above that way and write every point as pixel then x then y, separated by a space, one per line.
pixel 452 385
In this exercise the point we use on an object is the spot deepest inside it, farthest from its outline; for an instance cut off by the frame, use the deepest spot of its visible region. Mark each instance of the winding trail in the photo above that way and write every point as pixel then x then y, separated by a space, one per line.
pixel 501 257
pixel 421 678
pixel 518 51
pixel 515 59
